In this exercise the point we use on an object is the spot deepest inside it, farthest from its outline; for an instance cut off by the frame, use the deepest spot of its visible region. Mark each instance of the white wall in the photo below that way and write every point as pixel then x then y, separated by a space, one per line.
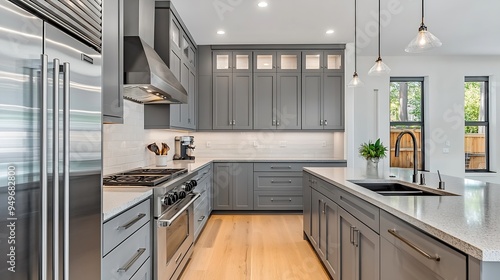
pixel 444 100
pixel 124 145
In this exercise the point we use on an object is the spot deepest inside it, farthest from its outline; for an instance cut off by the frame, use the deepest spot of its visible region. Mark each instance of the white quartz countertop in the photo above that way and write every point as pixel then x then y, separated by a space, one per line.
pixel 117 200
pixel 469 222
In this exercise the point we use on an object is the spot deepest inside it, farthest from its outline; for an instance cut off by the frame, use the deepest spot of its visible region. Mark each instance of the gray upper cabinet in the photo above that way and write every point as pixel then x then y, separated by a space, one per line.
pixel 112 66
pixel 322 61
pixel 233 186
pixel 232 90
pixel 178 51
pixel 322 90
pixel 277 90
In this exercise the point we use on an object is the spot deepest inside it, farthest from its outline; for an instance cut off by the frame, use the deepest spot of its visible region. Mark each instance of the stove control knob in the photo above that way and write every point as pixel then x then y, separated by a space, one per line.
pixel 175 197
pixel 167 200
pixel 182 194
pixel 194 183
pixel 188 187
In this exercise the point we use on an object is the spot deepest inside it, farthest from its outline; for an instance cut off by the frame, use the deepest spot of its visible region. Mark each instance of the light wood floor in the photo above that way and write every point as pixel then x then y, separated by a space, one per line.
pixel 256 247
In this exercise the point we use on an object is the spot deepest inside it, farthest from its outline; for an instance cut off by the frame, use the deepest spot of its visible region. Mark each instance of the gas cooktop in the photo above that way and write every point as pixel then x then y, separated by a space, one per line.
pixel 143 177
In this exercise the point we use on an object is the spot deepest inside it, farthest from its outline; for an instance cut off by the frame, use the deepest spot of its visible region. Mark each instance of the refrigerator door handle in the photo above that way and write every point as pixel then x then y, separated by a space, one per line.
pixel 66 170
pixel 55 167
pixel 43 165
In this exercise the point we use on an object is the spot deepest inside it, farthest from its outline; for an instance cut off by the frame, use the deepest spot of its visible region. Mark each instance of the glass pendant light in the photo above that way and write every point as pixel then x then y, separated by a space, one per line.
pixel 380 68
pixel 424 40
pixel 355 82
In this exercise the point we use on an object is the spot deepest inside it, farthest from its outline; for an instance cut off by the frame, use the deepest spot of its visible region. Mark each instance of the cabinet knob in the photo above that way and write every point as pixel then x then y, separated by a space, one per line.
pixel 326 122
pixel 278 123
pixel 321 122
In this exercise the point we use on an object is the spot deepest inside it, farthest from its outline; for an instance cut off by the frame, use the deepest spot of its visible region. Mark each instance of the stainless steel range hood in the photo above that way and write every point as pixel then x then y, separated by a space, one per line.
pixel 147 78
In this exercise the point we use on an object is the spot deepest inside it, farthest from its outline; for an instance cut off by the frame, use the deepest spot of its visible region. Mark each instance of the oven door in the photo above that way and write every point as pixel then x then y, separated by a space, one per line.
pixel 173 238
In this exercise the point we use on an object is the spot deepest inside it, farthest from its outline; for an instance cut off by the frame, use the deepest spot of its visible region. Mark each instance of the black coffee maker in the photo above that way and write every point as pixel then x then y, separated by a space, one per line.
pixel 184 148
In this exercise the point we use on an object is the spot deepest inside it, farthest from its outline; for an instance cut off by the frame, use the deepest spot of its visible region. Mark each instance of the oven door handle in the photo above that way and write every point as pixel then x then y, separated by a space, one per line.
pixel 167 223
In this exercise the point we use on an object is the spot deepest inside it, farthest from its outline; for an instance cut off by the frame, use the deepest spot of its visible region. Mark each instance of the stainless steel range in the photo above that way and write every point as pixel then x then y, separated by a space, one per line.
pixel 173 195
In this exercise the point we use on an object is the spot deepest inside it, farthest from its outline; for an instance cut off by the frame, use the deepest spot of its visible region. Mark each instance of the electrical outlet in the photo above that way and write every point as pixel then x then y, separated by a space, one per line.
pixel 446 150
pixel 447 143
pixel 323 144
pixel 209 144
pixel 282 144
pixel 255 143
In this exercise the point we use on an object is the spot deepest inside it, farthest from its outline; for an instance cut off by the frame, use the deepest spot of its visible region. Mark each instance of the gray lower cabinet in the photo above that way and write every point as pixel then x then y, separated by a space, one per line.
pixel 202 206
pixel 127 244
pixel 359 249
pixel 323 101
pixel 307 200
pixel 399 260
pixel 112 61
pixel 233 186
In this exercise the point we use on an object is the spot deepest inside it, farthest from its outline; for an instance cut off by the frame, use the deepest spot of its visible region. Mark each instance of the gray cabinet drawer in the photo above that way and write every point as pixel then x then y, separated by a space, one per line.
pixel 122 226
pixel 201 215
pixel 275 181
pixel 278 166
pixel 365 212
pixel 127 258
pixel 144 273
pixel 396 254
pixel 278 200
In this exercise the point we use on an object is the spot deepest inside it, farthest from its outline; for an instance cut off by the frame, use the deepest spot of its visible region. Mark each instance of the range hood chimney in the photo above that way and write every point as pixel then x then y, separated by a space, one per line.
pixel 147 79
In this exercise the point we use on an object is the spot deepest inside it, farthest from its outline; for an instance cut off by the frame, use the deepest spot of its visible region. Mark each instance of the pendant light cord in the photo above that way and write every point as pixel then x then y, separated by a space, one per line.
pixel 379 29
pixel 355 39
pixel 422 12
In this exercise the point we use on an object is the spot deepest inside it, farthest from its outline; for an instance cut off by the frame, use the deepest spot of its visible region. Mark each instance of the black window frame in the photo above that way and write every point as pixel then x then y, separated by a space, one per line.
pixel 422 117
pixel 485 123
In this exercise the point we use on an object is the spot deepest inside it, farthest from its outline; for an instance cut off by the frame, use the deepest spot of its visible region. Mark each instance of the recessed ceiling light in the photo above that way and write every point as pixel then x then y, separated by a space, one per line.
pixel 262 4
pixel 330 31
pixel 221 32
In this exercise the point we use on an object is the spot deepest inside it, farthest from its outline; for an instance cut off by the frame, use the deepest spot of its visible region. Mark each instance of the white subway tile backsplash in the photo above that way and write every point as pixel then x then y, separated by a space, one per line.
pixel 124 145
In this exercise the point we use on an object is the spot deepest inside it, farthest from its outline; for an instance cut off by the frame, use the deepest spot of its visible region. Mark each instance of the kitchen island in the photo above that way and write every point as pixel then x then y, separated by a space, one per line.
pixel 468 220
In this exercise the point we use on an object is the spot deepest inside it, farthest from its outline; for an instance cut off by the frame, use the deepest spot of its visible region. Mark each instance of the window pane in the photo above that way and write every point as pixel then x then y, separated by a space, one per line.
pixel 222 61
pixel 475 102
pixel 313 61
pixel 475 147
pixel 406 101
pixel 242 61
pixel 334 61
pixel 405 159
pixel 264 61
pixel 289 62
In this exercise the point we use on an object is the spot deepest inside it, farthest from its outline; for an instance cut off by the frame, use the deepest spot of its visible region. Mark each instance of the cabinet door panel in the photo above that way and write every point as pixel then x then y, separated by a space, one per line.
pixel 369 250
pixel 311 100
pixel 347 249
pixel 333 61
pixel 242 101
pixel 333 101
pixel 332 256
pixel 312 61
pixel 316 214
pixel 242 62
pixel 222 62
pixel 307 199
pixel 289 111
pixel 191 121
pixel 222 193
pixel 264 100
pixel 185 83
pixel 175 64
pixel 222 114
pixel 242 186
pixel 265 61
pixel 288 61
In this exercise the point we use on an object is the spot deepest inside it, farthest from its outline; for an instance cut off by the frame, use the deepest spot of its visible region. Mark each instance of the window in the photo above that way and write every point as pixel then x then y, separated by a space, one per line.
pixel 407 113
pixel 476 124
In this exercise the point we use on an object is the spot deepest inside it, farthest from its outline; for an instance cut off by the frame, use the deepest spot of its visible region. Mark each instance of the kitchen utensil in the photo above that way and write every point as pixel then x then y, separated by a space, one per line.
pixel 154 148
pixel 165 149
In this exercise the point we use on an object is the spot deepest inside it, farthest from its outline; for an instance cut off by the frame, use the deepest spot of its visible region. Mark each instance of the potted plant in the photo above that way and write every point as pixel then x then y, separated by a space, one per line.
pixel 372 152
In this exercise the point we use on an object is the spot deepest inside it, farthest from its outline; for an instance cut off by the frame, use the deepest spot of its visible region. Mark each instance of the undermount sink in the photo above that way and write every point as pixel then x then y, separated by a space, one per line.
pixel 394 188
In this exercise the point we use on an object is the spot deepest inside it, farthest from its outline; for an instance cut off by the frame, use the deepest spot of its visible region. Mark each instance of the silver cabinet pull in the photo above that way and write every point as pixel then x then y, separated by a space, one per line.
pixel 66 162
pixel 55 164
pixel 234 122
pixel 281 182
pixel 201 218
pixel 132 222
pixel 132 260
pixel 351 235
pixel 324 207
pixel 278 123
pixel 43 165
pixel 167 223
pixel 321 122
pixel 413 246
pixel 273 199
pixel 326 122
pixel 356 237
pixel 281 167
pixel 274 122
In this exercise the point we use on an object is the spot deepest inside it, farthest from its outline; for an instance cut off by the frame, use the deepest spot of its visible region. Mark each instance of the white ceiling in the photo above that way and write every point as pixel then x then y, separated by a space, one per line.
pixel 465 27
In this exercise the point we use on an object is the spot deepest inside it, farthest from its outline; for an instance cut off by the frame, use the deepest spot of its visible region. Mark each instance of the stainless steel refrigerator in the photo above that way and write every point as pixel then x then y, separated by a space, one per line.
pixel 50 151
